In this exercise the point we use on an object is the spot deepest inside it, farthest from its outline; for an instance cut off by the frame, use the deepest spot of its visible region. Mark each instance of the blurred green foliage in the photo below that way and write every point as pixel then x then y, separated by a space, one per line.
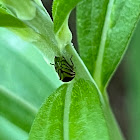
pixel 132 80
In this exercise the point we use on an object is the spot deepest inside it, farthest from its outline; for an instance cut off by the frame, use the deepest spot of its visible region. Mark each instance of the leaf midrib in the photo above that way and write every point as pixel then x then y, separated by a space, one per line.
pixel 99 61
pixel 67 112
pixel 20 101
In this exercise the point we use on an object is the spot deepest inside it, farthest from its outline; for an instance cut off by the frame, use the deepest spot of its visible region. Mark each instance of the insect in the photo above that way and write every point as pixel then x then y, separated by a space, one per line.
pixel 64 69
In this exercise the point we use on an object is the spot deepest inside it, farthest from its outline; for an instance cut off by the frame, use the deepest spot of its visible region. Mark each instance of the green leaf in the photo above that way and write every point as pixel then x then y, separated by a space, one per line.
pixel 12 21
pixel 34 26
pixel 17 110
pixel 21 61
pixel 9 131
pixel 104 30
pixel 74 111
pixel 61 11
pixel 18 8
pixel 27 77
pixel 26 80
pixel 90 20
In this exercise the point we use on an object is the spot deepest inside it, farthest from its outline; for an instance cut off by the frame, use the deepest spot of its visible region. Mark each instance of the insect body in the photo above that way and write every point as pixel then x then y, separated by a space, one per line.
pixel 64 69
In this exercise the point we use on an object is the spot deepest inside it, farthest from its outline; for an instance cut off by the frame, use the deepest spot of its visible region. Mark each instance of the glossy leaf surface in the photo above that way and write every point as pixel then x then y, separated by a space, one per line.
pixel 74 111
pixel 104 30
